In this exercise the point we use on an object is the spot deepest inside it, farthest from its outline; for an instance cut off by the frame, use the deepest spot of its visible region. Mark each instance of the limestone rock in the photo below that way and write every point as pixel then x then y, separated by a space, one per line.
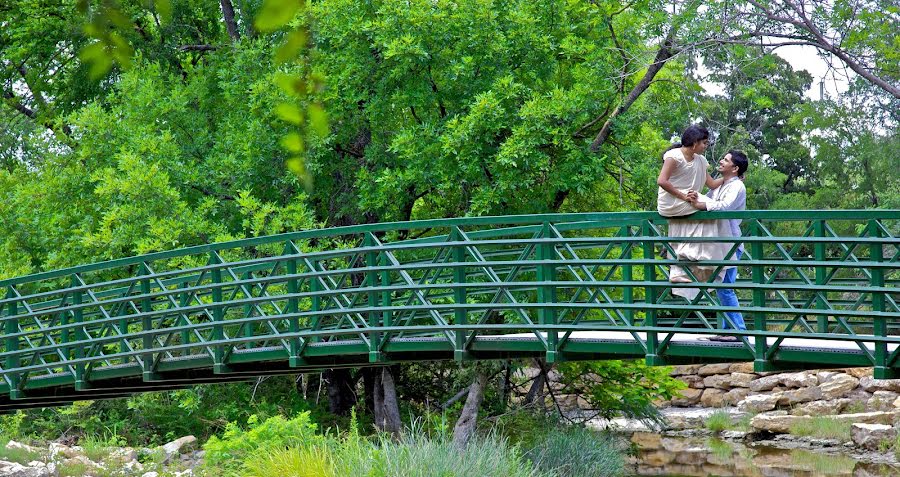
pixel 825 376
pixel 859 373
pixel 178 446
pixel 688 397
pixel 718 381
pixel 780 422
pixel 692 381
pixel 712 397
pixel 821 408
pixel 897 403
pixel 882 401
pixel 838 386
pixel 741 368
pixel 871 384
pixel 741 380
pixel 685 369
pixel 736 395
pixel 796 396
pixel 870 436
pixel 766 383
pixel 13 445
pixel 151 474
pixel 62 450
pixel 802 379
pixel 711 369
pixel 758 403
pixel 12 469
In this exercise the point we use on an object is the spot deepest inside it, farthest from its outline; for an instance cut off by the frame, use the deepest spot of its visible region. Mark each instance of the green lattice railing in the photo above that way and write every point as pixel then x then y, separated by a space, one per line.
pixel 476 288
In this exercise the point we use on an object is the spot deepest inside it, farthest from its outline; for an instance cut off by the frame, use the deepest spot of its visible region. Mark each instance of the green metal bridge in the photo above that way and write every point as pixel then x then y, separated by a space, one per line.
pixel 817 289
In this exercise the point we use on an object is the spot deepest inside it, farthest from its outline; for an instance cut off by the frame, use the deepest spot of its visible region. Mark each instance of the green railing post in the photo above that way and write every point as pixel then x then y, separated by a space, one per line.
pixel 627 275
pixel 80 335
pixel 293 306
pixel 460 315
pixel 314 286
pixel 880 328
pixel 758 276
pixel 650 296
pixel 219 366
pixel 12 344
pixel 146 325
pixel 819 247
pixel 372 282
pixel 547 293
pixel 386 315
pixel 183 301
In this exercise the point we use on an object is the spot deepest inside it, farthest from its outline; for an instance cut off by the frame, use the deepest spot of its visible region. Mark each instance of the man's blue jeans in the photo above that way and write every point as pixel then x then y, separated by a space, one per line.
pixel 727 297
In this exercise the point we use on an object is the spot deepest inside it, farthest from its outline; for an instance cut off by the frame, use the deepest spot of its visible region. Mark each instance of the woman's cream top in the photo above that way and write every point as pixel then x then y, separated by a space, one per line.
pixel 687 175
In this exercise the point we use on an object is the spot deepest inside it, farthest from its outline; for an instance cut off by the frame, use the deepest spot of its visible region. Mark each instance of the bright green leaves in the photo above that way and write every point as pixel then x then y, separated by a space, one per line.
pixel 108 26
pixel 275 14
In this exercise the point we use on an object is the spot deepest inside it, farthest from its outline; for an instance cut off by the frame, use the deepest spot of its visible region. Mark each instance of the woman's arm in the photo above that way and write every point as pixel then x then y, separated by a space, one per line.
pixel 663 180
pixel 713 183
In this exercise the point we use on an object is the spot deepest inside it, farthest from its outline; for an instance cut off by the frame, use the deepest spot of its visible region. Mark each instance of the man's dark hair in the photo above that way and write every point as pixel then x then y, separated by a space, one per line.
pixel 694 134
pixel 739 159
pixel 675 145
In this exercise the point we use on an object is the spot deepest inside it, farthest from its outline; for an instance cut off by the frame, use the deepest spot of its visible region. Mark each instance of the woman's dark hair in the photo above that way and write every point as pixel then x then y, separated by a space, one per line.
pixel 675 145
pixel 694 134
pixel 739 159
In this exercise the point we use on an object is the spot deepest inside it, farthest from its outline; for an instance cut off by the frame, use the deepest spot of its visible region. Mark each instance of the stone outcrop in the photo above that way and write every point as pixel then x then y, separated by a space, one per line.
pixel 780 422
pixel 871 436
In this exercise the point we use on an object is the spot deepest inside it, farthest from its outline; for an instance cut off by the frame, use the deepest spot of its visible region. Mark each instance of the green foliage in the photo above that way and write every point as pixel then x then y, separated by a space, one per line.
pixel 578 452
pixel 274 433
pixel 293 462
pixel 627 388
pixel 822 427
pixel 18 455
pixel 719 421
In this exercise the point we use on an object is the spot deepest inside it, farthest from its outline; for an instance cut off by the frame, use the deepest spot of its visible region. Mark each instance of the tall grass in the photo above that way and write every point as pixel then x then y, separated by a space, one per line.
pixel 823 428
pixel 719 421
pixel 578 452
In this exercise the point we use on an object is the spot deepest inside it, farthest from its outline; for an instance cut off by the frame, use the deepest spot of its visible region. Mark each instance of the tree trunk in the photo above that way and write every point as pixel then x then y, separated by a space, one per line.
pixel 537 386
pixel 341 396
pixel 465 426
pixel 230 24
pixel 390 411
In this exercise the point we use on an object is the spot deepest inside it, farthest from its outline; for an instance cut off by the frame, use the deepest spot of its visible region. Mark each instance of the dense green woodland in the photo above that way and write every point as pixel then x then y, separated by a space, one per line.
pixel 139 126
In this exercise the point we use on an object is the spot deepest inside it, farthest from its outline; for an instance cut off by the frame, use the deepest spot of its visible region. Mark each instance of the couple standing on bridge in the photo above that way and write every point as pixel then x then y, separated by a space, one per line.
pixel 683 175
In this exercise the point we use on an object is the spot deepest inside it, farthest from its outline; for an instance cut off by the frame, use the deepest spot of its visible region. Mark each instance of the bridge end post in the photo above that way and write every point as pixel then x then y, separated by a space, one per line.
pixel 12 344
pixel 879 326
pixel 546 272
pixel 761 362
pixel 650 297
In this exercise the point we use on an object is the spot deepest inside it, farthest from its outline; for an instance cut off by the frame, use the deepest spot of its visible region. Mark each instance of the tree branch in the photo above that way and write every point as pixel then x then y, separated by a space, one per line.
pixel 230 24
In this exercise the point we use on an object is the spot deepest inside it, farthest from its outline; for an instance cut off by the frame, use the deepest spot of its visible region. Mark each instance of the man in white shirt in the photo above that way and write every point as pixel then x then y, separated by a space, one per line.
pixel 731 195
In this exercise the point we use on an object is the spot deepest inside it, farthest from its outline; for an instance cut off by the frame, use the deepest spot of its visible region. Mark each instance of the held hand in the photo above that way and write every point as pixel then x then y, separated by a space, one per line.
pixel 691 196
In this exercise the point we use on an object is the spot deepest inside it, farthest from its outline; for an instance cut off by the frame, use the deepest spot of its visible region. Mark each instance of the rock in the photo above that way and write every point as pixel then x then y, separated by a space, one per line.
pixel 655 459
pixel 186 473
pixel 821 408
pixel 796 396
pixel 802 379
pixel 838 386
pixel 178 446
pixel 736 395
pixel 13 445
pixel 719 381
pixel 780 422
pixel 897 403
pixel 741 368
pixel 647 440
pixel 742 380
pixel 692 381
pixel 126 454
pixel 870 436
pixel 733 435
pixel 871 384
pixel 57 449
pixel 711 369
pixel 766 383
pixel 758 403
pixel 825 376
pixel 151 474
pixel 712 397
pixel 12 469
pixel 859 373
pixel 688 397
pixel 685 369
pixel 882 401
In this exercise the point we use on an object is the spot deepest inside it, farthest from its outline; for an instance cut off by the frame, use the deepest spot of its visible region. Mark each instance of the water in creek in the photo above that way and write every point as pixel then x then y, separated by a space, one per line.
pixel 708 456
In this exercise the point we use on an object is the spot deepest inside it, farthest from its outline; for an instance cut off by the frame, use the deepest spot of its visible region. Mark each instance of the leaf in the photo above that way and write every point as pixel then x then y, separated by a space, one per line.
pixel 289 112
pixel 274 14
pixel 291 47
pixel 318 120
pixel 292 142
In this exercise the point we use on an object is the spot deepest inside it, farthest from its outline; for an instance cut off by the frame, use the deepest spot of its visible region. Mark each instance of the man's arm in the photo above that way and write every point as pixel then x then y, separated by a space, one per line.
pixel 733 197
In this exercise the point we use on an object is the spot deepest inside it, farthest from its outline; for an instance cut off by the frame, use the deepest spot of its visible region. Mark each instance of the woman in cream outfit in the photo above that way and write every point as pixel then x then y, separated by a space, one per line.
pixel 683 175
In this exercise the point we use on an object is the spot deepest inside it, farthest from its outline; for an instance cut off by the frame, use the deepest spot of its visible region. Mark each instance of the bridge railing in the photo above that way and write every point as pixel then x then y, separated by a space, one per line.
pixel 371 290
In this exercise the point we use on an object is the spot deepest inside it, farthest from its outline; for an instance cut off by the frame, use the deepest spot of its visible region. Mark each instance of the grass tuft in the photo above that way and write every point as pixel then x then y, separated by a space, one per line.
pixel 823 428
pixel 719 421
pixel 578 452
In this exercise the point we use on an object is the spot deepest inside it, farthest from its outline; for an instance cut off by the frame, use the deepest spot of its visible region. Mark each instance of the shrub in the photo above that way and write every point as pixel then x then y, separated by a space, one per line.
pixel 578 452
pixel 294 462
pixel 276 433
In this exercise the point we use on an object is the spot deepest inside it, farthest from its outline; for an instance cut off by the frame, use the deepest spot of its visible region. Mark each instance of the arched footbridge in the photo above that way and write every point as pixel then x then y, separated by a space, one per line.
pixel 817 289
